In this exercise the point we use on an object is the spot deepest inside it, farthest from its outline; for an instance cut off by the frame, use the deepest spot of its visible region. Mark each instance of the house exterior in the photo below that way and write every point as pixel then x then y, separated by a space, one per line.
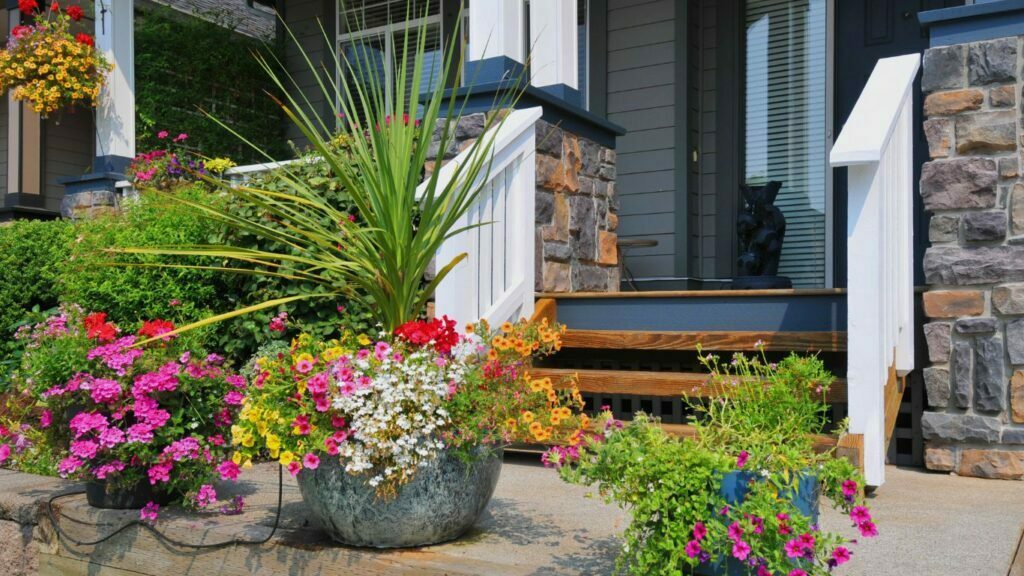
pixel 901 192
pixel 37 155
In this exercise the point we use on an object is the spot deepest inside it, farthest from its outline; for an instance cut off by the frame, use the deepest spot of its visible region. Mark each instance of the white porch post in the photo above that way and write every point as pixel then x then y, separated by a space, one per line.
pixel 553 44
pixel 496 30
pixel 115 114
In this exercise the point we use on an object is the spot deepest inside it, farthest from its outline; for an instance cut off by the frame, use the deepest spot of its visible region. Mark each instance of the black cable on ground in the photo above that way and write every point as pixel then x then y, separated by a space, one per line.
pixel 160 535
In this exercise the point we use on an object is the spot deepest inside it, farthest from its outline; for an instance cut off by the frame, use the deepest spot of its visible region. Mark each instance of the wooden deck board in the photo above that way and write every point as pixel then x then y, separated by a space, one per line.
pixel 661 384
pixel 740 341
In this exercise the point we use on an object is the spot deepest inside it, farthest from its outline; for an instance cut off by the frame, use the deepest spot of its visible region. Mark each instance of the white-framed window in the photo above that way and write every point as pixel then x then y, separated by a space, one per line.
pixel 372 33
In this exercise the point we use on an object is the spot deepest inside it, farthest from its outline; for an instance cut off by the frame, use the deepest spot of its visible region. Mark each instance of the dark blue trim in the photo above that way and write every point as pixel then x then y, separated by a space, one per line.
pixel 564 92
pixel 111 163
pixel 483 97
pixel 493 70
pixel 974 22
pixel 92 182
pixel 803 313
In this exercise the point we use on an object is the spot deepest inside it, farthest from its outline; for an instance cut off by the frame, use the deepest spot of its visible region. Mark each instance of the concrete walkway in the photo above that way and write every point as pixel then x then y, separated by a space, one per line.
pixel 930 525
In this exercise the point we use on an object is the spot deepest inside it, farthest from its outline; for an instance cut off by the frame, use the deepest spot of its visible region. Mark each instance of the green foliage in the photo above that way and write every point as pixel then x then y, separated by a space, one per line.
pixel 184 65
pixel 756 431
pixel 770 410
pixel 144 290
pixel 320 318
pixel 379 263
pixel 31 255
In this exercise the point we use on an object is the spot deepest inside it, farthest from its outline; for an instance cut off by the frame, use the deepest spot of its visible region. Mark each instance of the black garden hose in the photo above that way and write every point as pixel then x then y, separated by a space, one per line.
pixel 160 535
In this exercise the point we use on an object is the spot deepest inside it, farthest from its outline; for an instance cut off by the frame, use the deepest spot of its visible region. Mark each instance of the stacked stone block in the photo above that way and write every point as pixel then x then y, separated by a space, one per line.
pixel 974 269
pixel 576 205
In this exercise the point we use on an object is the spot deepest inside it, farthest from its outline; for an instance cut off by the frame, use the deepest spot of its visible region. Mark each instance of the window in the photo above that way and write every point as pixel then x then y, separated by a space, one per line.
pixel 373 37
pixel 786 123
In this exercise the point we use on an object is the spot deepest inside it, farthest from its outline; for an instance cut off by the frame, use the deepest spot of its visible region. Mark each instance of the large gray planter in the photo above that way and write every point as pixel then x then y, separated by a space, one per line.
pixel 442 502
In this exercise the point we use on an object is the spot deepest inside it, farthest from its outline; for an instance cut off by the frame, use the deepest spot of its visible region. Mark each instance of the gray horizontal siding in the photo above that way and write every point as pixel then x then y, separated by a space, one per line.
pixel 304 18
pixel 641 97
pixel 68 145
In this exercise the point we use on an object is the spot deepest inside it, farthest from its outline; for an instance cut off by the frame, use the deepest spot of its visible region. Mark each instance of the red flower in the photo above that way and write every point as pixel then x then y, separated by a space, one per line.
pixel 439 331
pixel 19 31
pixel 154 328
pixel 54 7
pixel 75 13
pixel 27 6
pixel 96 326
pixel 83 38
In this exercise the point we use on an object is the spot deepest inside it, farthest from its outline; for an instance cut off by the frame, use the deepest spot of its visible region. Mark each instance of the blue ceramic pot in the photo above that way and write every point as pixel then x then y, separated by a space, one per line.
pixel 443 501
pixel 735 486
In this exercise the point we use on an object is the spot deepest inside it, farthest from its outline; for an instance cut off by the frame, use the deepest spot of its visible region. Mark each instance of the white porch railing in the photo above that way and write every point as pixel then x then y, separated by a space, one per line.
pixel 877 144
pixel 495 281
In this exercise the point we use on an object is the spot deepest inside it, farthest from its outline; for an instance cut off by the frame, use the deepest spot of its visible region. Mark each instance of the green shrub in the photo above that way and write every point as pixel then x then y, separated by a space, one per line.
pixel 134 293
pixel 31 256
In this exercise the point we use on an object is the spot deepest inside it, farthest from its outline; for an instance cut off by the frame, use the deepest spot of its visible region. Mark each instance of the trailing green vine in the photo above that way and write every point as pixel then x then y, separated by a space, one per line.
pixel 184 65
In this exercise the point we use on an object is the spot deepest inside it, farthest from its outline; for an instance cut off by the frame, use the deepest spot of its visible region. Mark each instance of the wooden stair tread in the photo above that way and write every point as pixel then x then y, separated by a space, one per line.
pixel 662 384
pixel 748 341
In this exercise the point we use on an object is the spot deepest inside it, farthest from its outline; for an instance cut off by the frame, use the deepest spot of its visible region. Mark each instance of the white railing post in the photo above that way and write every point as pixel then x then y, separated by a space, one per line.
pixel 554 50
pixel 876 145
pixel 496 279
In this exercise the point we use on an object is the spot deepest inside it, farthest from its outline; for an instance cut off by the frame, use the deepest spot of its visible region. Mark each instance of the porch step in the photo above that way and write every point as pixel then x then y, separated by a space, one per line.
pixel 735 341
pixel 659 384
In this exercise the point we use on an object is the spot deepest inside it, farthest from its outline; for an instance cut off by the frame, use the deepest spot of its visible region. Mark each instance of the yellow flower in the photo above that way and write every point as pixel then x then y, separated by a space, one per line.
pixel 273 442
pixel 287 457
pixel 332 354
pixel 363 340
pixel 236 457
pixel 507 327
pixel 527 417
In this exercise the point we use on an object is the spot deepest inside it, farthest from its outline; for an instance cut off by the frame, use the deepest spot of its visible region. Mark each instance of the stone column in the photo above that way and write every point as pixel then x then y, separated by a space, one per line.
pixel 975 266
pixel 576 207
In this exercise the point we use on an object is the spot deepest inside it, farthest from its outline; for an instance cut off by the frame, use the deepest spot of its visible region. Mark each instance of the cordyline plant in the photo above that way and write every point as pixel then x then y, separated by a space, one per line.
pixel 379 255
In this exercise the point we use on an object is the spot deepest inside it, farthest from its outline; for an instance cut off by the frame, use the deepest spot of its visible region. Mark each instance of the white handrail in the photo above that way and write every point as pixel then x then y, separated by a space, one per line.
pixel 877 144
pixel 496 280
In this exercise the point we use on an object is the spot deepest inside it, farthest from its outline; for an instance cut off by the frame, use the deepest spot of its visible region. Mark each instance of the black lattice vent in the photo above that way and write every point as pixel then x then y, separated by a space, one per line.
pixel 907 446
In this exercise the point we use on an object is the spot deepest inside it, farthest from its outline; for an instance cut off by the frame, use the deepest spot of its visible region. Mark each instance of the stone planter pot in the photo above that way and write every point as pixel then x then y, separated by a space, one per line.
pixel 100 494
pixel 735 486
pixel 442 502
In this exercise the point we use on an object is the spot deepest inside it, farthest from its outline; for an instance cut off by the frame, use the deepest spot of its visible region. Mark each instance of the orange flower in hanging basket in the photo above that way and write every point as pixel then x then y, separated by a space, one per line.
pixel 46 66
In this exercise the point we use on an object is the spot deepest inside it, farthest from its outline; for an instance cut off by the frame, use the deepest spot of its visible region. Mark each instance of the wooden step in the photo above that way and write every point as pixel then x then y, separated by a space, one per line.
pixel 716 341
pixel 661 384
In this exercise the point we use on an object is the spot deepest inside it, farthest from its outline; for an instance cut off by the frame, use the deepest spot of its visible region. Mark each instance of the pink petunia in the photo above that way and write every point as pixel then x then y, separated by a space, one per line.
pixel 860 514
pixel 5 452
pixel 699 531
pixel 740 550
pixel 311 461
pixel 849 488
pixel 797 572
pixel 294 468
pixel 794 549
pixel 741 460
pixel 735 532
pixel 693 549
pixel 163 134
pixel 868 529
pixel 45 419
pixel 841 555
pixel 234 398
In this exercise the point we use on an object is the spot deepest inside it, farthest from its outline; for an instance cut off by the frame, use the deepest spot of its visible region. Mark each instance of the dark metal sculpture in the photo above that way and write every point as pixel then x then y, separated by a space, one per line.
pixel 762 228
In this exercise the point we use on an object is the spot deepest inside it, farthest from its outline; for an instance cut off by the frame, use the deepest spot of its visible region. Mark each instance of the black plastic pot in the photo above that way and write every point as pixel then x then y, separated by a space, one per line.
pixel 100 494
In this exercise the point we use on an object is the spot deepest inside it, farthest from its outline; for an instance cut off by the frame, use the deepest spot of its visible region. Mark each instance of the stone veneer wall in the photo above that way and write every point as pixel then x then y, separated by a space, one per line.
pixel 974 269
pixel 576 207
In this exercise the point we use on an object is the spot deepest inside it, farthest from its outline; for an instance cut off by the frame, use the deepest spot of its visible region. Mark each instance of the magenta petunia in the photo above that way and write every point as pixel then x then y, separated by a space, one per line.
pixel 149 512
pixel 228 470
pixel 311 461
pixel 741 460
pixel 841 555
pixel 868 529
pixel 740 550
pixel 699 531
pixel 693 548
pixel 860 514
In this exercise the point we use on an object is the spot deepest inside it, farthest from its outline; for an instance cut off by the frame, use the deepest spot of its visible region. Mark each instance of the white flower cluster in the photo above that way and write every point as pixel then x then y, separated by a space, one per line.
pixel 395 411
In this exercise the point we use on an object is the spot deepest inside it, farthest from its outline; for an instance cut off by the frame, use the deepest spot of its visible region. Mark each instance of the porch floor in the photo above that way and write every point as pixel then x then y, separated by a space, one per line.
pixel 930 524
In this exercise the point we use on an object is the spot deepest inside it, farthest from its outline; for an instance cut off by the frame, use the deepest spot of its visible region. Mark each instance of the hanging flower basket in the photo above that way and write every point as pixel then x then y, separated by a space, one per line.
pixel 48 66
